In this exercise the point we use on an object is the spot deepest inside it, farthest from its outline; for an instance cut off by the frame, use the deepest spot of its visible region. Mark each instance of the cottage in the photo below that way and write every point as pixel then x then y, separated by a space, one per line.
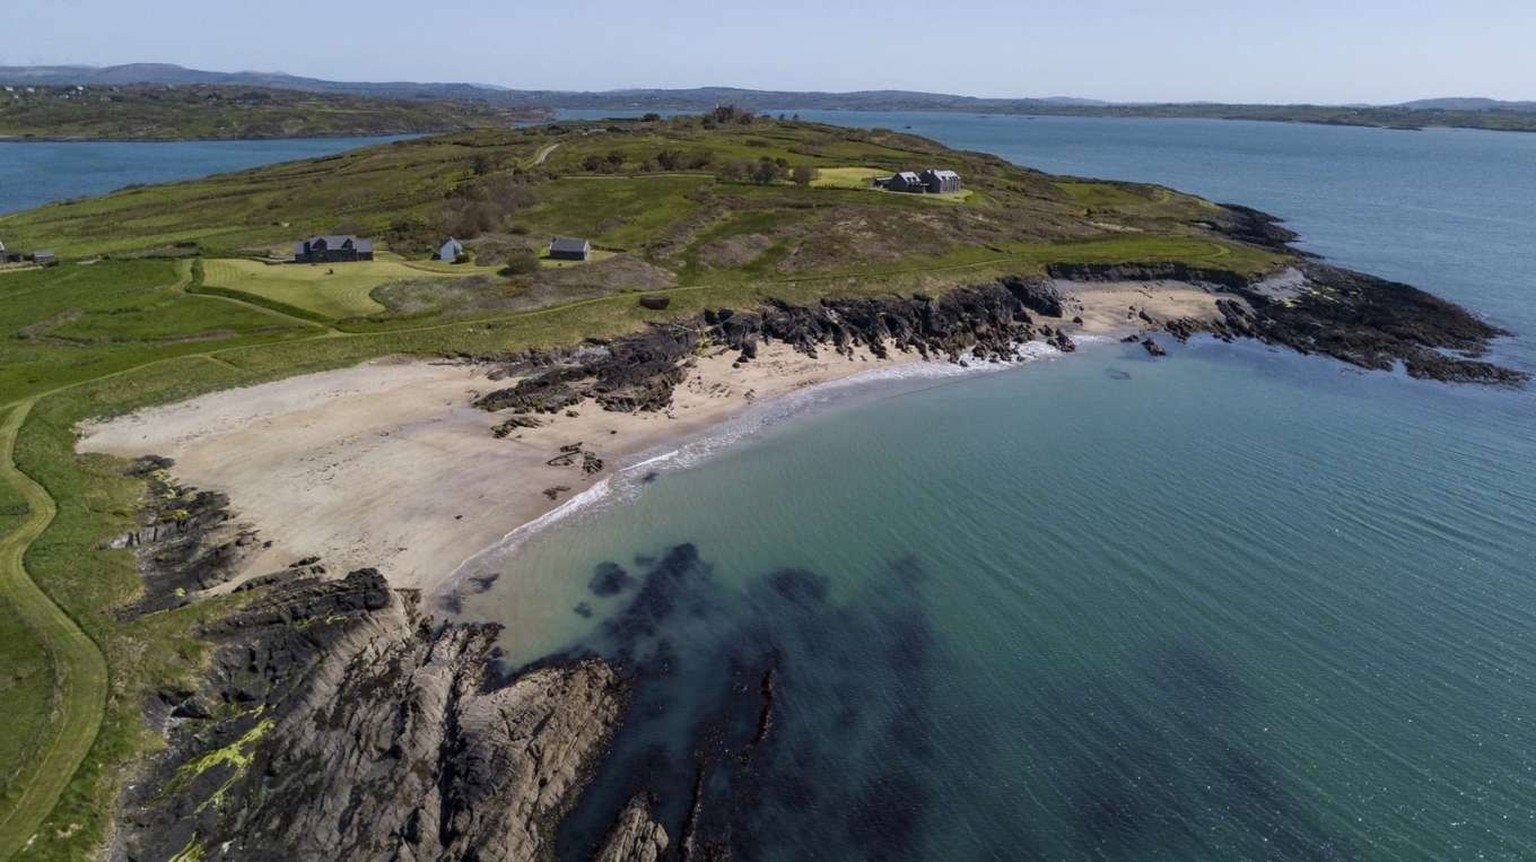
pixel 332 249
pixel 44 257
pixel 569 248
pixel 451 250
pixel 7 256
pixel 940 182
pixel 905 181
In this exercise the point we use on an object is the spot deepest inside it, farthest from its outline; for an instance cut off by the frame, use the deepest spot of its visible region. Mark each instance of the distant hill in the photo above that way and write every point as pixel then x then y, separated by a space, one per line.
pixel 136 112
pixel 1476 113
pixel 168 73
pixel 1468 104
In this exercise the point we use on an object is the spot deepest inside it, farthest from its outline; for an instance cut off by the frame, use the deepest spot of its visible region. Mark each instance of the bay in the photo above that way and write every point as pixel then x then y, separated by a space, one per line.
pixel 1234 603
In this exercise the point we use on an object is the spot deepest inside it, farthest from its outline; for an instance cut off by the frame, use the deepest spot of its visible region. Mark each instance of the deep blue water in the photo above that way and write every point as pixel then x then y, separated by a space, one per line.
pixel 35 173
pixel 1236 603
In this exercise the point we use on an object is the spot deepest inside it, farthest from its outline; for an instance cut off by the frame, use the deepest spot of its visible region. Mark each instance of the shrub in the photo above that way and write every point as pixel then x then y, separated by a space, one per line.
pixel 521 262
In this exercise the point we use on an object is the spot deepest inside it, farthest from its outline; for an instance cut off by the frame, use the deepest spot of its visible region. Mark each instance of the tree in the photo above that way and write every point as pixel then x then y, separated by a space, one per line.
pixel 669 160
pixel 766 172
pixel 726 114
pixel 616 159
pixel 804 175
pixel 592 163
pixel 734 171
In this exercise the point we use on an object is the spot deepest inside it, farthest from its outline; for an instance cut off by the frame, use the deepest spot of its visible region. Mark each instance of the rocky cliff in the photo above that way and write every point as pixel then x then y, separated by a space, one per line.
pixel 339 721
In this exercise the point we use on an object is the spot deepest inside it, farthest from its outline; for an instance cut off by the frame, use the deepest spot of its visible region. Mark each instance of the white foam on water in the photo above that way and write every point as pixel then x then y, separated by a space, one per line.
pixel 629 480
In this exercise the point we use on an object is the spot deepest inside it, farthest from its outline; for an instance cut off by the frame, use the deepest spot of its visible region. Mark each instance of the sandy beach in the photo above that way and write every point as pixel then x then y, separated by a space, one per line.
pixel 389 465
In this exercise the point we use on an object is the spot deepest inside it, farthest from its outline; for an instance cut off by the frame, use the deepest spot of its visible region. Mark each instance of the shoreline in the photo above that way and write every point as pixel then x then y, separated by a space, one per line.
pixel 388 465
pixel 418 468
pixel 695 446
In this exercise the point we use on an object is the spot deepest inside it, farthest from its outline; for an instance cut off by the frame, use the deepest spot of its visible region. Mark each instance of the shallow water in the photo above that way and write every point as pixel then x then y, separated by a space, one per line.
pixel 1232 603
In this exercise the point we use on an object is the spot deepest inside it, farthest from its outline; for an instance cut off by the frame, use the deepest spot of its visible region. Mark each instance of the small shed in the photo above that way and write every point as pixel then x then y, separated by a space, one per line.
pixel 8 256
pixel 451 250
pixel 569 248
pixel 940 181
pixel 44 257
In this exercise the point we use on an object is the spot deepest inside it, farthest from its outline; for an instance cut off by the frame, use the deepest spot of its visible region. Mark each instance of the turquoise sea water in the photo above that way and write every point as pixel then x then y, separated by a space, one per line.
pixel 35 173
pixel 1233 603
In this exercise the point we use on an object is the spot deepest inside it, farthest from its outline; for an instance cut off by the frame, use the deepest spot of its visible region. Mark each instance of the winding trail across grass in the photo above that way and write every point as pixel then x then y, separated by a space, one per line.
pixel 79 669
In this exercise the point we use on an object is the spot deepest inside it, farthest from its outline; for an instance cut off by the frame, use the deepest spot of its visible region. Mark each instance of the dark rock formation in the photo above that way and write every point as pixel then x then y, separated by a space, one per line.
pixel 1153 348
pixel 1254 227
pixel 187 540
pixel 1162 271
pixel 640 371
pixel 1038 295
pixel 655 303
pixel 610 579
pixel 1356 318
pixel 339 722
pixel 1373 323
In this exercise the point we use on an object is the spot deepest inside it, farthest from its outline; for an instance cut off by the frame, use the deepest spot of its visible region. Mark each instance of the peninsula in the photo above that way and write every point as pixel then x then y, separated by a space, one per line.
pixel 242 485
pixel 150 112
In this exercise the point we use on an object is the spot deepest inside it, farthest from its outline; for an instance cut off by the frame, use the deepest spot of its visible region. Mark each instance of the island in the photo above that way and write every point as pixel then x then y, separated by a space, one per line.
pixel 213 450
pixel 151 112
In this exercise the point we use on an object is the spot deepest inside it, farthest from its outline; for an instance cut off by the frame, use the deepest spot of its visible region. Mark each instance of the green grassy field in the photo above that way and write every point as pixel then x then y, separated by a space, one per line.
pixel 846 178
pixel 87 341
pixel 330 290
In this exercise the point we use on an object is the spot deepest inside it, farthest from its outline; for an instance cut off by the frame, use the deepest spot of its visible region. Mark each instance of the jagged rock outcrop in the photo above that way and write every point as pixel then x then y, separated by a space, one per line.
pixel 340 722
pixel 1255 227
pixel 186 540
pixel 635 836
pixel 640 371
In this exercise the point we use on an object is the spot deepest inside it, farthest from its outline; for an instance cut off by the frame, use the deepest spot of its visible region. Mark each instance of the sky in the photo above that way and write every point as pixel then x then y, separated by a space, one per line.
pixel 1320 51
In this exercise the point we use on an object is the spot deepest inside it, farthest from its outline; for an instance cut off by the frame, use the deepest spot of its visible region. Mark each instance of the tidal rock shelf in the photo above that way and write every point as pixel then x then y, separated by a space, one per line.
pixel 1356 318
pixel 339 721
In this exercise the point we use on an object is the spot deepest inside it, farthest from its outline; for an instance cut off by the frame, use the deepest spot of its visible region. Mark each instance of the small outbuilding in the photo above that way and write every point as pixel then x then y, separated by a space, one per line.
pixel 332 248
pixel 44 257
pixel 569 248
pixel 7 256
pixel 940 181
pixel 451 250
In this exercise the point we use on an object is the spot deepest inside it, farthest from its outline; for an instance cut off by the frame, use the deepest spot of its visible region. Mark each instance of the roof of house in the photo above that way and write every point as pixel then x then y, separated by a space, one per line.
pixel 335 241
pixel 944 175
pixel 42 252
pixel 569 243
pixel 908 176
pixel 453 242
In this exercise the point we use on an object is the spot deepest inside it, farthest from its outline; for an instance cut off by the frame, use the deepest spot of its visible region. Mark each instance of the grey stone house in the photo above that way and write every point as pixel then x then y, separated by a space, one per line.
pixel 569 248
pixel 939 181
pixel 332 248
